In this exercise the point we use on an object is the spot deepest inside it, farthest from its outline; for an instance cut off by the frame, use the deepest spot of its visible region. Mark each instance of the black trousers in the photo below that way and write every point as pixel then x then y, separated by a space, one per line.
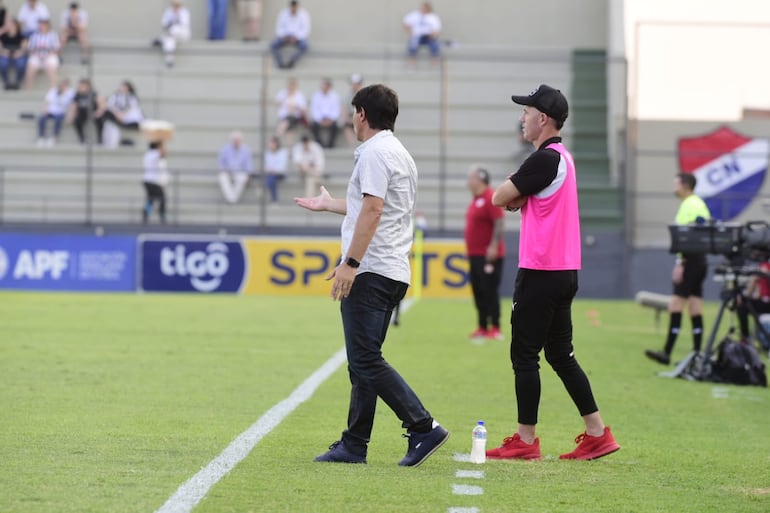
pixel 486 290
pixel 155 193
pixel 541 319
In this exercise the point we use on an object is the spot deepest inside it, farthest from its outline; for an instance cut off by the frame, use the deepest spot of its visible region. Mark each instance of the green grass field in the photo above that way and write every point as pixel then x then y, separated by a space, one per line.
pixel 111 402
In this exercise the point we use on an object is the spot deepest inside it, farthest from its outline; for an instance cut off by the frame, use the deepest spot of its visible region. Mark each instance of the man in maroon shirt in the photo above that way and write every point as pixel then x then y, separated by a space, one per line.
pixel 486 249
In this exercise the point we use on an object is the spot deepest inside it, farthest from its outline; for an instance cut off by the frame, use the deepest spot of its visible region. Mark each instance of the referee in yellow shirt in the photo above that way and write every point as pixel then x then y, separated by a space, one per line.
pixel 688 274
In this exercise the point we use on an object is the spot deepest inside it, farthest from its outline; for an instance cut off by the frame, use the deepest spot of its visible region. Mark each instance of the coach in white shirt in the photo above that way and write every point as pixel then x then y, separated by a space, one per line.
pixel 30 15
pixel 291 29
pixel 325 113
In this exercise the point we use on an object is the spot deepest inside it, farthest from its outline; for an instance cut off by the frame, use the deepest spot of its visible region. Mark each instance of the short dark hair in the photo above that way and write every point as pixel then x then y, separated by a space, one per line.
pixel 688 180
pixel 380 103
pixel 483 174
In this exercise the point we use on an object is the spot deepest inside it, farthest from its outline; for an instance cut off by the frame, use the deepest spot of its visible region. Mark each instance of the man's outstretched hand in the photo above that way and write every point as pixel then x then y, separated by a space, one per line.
pixel 318 204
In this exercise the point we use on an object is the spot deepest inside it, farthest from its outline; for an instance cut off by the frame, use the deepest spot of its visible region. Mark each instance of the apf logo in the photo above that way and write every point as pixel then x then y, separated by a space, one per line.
pixel 3 263
pixel 192 266
pixel 729 167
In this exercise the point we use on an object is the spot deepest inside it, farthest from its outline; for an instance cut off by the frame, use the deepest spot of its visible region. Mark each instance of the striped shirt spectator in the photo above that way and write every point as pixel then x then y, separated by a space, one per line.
pixel 43 47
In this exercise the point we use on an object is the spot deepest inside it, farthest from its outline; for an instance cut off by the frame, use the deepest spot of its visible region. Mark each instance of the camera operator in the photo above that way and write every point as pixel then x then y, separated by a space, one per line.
pixel 756 296
pixel 688 274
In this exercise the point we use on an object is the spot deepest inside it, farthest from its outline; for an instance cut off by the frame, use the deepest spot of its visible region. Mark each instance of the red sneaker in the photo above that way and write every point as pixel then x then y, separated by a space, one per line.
pixel 495 334
pixel 479 333
pixel 592 447
pixel 514 448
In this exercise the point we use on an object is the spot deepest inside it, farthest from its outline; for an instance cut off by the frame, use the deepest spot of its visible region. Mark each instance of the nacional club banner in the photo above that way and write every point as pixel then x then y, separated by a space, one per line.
pixel 729 167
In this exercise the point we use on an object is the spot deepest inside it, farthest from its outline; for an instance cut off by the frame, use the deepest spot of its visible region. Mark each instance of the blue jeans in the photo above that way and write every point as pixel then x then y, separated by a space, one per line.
pixel 416 42
pixel 366 316
pixel 217 19
pixel 42 121
pixel 279 43
pixel 18 63
pixel 272 182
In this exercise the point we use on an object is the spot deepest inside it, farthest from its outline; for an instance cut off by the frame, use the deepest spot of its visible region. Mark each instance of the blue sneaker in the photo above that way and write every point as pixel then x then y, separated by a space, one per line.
pixel 422 445
pixel 337 453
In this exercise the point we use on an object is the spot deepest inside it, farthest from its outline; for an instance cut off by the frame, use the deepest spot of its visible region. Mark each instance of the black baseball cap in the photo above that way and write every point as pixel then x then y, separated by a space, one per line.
pixel 547 100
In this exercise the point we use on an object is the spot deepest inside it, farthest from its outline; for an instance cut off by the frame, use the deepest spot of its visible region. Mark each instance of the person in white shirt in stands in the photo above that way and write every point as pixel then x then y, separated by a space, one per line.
pixel 176 29
pixel 276 162
pixel 308 158
pixel 291 29
pixel 122 110
pixel 292 110
pixel 57 103
pixel 236 166
pixel 423 26
pixel 73 26
pixel 30 14
pixel 43 48
pixel 325 113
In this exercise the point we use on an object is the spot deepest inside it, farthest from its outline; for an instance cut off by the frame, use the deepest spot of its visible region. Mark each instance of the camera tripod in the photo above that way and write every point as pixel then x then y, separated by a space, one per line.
pixel 697 365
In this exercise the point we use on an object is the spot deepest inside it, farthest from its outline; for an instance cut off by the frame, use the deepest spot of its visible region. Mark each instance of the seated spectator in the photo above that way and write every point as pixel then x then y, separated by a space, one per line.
pixel 43 53
pixel 236 167
pixel 292 110
pixel 122 109
pixel 74 27
pixel 83 108
pixel 218 19
pixel 3 18
pixel 13 55
pixel 57 103
pixel 423 26
pixel 356 83
pixel 291 29
pixel 30 14
pixel 176 29
pixel 325 113
pixel 276 162
pixel 250 14
pixel 308 158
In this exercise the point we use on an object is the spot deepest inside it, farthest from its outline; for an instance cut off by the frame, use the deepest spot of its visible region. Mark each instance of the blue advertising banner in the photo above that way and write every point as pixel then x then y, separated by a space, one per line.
pixel 67 262
pixel 190 265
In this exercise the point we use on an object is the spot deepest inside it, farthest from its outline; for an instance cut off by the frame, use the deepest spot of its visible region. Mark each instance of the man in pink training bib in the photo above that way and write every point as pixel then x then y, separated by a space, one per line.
pixel 545 189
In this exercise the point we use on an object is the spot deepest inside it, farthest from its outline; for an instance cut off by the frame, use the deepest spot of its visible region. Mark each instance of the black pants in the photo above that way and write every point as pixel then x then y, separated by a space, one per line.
pixel 316 129
pixel 742 310
pixel 486 290
pixel 155 193
pixel 366 316
pixel 542 319
pixel 109 116
pixel 81 118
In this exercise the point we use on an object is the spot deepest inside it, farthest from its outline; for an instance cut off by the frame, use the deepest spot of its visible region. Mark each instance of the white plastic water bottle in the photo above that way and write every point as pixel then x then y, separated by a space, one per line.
pixel 479 447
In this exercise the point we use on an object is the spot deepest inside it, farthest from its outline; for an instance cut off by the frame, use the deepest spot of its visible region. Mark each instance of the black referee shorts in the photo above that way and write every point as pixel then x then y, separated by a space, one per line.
pixel 695 270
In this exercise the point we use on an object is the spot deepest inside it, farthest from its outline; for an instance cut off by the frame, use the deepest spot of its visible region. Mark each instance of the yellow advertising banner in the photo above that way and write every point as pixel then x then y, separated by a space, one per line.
pixel 297 267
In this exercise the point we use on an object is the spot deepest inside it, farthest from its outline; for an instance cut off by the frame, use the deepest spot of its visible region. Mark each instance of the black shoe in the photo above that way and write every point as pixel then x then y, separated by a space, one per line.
pixel 658 356
pixel 422 445
pixel 156 43
pixel 337 453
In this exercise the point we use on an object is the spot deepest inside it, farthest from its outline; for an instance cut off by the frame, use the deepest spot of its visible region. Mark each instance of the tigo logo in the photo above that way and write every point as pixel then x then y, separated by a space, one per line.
pixel 205 268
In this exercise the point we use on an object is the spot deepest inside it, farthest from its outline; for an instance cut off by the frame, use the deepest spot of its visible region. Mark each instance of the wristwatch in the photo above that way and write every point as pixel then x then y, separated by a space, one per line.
pixel 352 262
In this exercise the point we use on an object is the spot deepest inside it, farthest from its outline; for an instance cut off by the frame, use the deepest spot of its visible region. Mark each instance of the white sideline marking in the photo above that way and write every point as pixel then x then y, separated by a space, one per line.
pixel 462 458
pixel 195 489
pixel 463 510
pixel 467 490
pixel 720 393
pixel 190 493
pixel 469 474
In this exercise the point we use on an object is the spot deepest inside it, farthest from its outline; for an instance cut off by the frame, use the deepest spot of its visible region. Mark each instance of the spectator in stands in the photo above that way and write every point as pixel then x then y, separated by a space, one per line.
pixel 155 180
pixel 218 19
pixel 250 14
pixel 756 297
pixel 325 113
pixel 83 108
pixel 356 83
pixel 308 158
pixel 176 29
pixel 3 19
pixel 122 108
pixel 74 27
pixel 13 55
pixel 43 53
pixel 30 15
pixel 236 166
pixel 423 26
pixel 276 163
pixel 291 29
pixel 57 103
pixel 292 110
